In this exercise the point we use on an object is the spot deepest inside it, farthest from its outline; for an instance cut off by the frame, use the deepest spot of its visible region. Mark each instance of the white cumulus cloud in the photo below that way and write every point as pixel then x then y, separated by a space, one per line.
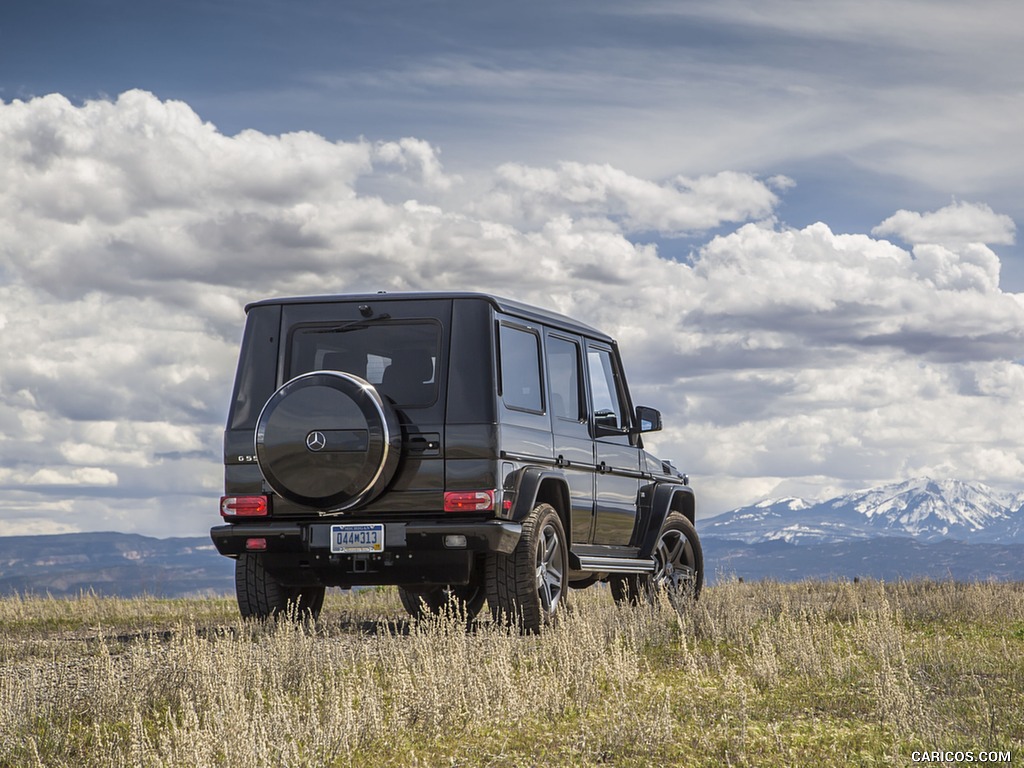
pixel 132 233
pixel 679 205
pixel 956 224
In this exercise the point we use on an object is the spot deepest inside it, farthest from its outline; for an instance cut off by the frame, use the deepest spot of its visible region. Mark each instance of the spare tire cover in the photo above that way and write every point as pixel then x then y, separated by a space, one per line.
pixel 327 439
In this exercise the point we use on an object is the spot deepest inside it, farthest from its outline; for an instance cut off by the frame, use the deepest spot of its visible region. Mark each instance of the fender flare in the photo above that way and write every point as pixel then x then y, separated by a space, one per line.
pixel 663 498
pixel 526 487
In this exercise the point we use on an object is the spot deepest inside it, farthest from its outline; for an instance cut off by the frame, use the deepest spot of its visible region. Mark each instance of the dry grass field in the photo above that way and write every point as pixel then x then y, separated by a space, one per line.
pixel 816 673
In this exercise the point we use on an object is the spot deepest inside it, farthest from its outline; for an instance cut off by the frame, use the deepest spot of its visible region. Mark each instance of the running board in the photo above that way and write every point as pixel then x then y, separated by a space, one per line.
pixel 616 564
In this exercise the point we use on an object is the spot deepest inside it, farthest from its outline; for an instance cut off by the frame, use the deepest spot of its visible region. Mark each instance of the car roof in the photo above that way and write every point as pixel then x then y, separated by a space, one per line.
pixel 506 306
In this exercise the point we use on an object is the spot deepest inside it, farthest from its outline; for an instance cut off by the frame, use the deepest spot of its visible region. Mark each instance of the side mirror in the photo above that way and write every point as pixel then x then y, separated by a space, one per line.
pixel 648 419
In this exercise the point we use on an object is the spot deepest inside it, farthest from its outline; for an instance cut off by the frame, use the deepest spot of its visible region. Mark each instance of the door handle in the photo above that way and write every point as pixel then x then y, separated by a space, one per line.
pixel 423 444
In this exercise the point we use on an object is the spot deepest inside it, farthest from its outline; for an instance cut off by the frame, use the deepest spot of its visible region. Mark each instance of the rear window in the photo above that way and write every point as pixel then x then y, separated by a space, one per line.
pixel 520 369
pixel 399 358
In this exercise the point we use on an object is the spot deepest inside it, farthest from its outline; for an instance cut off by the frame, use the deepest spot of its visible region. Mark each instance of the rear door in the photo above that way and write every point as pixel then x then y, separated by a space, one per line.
pixel 398 346
pixel 570 428
pixel 616 455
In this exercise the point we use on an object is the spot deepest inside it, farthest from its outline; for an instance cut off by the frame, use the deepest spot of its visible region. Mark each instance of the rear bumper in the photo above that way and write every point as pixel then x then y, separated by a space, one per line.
pixel 482 536
pixel 414 552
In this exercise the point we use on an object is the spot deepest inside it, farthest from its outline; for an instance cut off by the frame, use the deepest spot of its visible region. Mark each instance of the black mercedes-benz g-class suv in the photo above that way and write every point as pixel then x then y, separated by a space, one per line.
pixel 458 445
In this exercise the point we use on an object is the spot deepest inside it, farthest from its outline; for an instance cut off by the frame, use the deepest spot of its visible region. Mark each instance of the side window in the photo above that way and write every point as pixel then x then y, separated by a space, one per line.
pixel 564 378
pixel 608 411
pixel 520 369
pixel 257 366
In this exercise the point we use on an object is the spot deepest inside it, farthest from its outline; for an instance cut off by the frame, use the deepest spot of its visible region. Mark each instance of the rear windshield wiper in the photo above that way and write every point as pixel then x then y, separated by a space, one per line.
pixel 353 325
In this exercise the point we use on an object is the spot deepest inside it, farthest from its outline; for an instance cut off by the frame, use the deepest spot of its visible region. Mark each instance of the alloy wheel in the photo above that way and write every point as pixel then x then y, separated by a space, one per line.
pixel 675 564
pixel 550 577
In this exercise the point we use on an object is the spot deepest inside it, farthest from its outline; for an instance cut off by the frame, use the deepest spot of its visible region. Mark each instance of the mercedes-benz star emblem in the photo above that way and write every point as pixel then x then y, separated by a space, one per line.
pixel 316 441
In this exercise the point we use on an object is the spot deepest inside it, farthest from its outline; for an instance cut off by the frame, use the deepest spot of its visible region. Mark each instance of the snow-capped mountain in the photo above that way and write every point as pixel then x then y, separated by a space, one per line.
pixel 923 509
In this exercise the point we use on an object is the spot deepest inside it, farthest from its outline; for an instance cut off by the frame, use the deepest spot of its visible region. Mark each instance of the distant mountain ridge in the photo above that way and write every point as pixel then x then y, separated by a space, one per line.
pixel 922 509
pixel 888 558
pixel 919 528
pixel 113 564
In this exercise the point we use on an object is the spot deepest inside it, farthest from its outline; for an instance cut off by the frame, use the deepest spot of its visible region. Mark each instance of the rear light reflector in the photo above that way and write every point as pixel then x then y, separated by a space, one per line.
pixel 244 506
pixel 468 501
pixel 256 545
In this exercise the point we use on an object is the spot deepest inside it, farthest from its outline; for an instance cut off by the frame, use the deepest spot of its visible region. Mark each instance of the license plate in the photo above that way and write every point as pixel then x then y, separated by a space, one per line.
pixel 346 539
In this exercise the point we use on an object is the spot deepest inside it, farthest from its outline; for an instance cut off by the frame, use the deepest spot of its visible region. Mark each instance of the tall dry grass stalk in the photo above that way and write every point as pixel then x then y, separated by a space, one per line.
pixel 749 675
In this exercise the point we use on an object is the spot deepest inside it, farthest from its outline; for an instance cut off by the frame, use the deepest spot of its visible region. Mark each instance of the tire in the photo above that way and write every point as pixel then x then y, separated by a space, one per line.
pixel 261 596
pixel 311 601
pixel 678 567
pixel 527 587
pixel 467 599
pixel 631 588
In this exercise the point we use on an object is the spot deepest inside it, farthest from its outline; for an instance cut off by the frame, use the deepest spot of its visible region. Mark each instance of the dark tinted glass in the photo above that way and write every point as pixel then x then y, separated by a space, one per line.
pixel 520 369
pixel 400 359
pixel 257 367
pixel 564 378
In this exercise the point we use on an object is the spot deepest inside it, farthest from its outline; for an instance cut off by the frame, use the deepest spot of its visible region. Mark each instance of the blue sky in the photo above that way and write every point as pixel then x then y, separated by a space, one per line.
pixel 810 90
pixel 738 168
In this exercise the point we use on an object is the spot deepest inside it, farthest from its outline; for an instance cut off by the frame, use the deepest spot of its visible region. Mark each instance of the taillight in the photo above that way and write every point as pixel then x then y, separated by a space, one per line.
pixel 468 501
pixel 244 506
